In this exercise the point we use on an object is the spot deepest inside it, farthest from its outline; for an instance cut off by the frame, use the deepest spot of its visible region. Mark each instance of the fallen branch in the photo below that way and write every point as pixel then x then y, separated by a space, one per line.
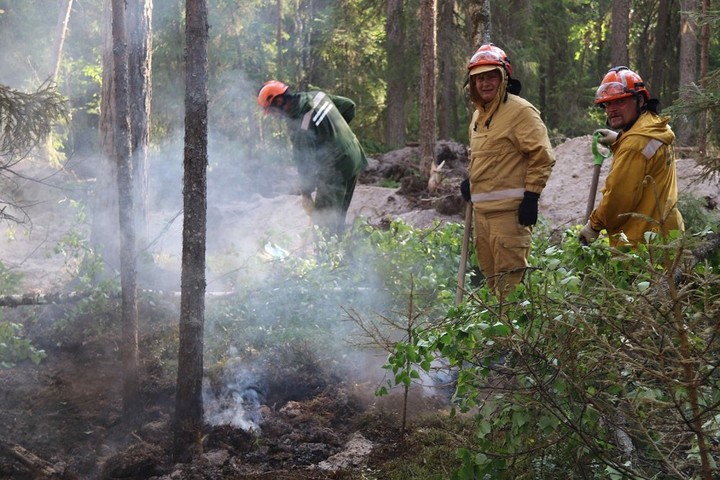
pixel 42 298
pixel 39 467
pixel 37 298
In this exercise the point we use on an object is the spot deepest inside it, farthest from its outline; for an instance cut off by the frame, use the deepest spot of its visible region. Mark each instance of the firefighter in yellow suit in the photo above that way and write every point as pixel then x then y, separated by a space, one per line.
pixel 511 159
pixel 640 193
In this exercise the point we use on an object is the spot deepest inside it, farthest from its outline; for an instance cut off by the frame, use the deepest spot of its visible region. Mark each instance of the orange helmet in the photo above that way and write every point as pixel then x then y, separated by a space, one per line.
pixel 488 55
pixel 620 82
pixel 268 92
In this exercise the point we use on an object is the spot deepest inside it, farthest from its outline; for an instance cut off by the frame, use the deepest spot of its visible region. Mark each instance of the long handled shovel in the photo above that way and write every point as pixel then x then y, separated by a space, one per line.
pixel 597 164
pixel 464 254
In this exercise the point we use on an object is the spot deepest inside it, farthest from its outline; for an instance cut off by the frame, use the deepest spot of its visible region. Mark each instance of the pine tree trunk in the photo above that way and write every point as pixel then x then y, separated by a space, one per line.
pixel 620 33
pixel 139 20
pixel 660 64
pixel 427 87
pixel 397 78
pixel 447 106
pixel 687 65
pixel 128 276
pixel 60 33
pixel 189 408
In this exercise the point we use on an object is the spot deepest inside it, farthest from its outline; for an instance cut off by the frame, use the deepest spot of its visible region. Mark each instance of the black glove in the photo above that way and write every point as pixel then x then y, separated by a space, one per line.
pixel 465 189
pixel 528 211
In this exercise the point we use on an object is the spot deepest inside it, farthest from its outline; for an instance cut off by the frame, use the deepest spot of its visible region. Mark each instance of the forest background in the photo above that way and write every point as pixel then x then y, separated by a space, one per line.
pixel 367 50
pixel 372 52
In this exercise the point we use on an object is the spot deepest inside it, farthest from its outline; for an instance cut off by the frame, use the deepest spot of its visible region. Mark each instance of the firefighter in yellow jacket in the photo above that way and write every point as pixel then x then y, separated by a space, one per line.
pixel 640 193
pixel 510 161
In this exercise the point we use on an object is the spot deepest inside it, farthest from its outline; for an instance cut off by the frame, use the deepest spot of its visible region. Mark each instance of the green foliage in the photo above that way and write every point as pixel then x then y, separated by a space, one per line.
pixel 696 215
pixel 367 272
pixel 27 118
pixel 596 345
pixel 14 348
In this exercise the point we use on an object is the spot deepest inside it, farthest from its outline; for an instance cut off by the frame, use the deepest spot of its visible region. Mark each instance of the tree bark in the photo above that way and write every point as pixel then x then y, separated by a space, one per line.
pixel 427 90
pixel 139 20
pixel 279 38
pixel 128 275
pixel 656 77
pixel 104 240
pixel 189 407
pixel 620 33
pixel 447 107
pixel 103 237
pixel 479 12
pixel 687 64
pixel 396 75
pixel 60 33
pixel 704 66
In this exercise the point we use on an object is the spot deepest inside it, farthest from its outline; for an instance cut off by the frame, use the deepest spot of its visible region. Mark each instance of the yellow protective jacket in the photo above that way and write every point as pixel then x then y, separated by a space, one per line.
pixel 643 169
pixel 510 152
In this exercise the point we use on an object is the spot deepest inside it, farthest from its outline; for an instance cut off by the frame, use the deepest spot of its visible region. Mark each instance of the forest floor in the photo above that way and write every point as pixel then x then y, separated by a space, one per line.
pixel 62 418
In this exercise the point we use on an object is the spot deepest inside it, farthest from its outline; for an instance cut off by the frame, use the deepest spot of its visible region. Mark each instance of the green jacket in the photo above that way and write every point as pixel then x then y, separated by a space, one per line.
pixel 643 167
pixel 325 149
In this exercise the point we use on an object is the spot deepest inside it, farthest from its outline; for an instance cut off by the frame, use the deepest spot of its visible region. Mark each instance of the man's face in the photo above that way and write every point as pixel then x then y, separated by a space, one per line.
pixel 621 112
pixel 487 84
pixel 277 106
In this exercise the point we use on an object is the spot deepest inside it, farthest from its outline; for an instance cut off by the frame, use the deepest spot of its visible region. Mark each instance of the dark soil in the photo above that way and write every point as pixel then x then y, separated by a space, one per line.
pixel 63 418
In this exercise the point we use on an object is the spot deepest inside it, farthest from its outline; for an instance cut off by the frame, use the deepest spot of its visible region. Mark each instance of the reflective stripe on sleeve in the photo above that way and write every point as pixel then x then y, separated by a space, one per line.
pixel 651 148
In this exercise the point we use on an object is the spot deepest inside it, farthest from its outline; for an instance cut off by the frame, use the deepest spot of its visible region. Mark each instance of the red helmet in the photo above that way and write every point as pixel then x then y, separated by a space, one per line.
pixel 488 55
pixel 268 92
pixel 620 82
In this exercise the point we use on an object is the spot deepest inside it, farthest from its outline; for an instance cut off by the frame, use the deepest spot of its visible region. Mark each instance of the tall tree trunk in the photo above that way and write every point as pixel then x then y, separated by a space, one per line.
pixel 620 35
pixel 447 106
pixel 139 20
pixel 427 92
pixel 279 39
pixel 308 62
pixel 396 75
pixel 704 66
pixel 60 33
pixel 656 77
pixel 128 277
pixel 479 12
pixel 687 63
pixel 102 236
pixel 188 406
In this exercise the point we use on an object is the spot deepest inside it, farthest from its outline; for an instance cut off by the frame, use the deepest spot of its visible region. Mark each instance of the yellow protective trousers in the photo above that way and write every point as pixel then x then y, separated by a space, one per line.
pixel 502 246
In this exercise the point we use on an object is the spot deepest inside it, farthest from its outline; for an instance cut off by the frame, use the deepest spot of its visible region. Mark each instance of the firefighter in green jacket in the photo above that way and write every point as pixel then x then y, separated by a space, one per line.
pixel 328 155
pixel 640 193
pixel 510 162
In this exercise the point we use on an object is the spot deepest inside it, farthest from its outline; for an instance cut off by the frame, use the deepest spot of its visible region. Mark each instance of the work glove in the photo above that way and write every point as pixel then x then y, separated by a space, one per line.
pixel 465 189
pixel 308 204
pixel 588 234
pixel 528 211
pixel 608 136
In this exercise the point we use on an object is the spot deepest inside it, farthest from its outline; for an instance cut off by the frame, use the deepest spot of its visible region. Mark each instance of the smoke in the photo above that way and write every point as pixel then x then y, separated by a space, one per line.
pixel 234 399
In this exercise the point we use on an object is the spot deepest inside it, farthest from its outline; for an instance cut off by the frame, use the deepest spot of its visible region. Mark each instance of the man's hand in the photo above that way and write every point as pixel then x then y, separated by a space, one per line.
pixel 608 136
pixel 528 211
pixel 465 189
pixel 588 234
pixel 308 204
